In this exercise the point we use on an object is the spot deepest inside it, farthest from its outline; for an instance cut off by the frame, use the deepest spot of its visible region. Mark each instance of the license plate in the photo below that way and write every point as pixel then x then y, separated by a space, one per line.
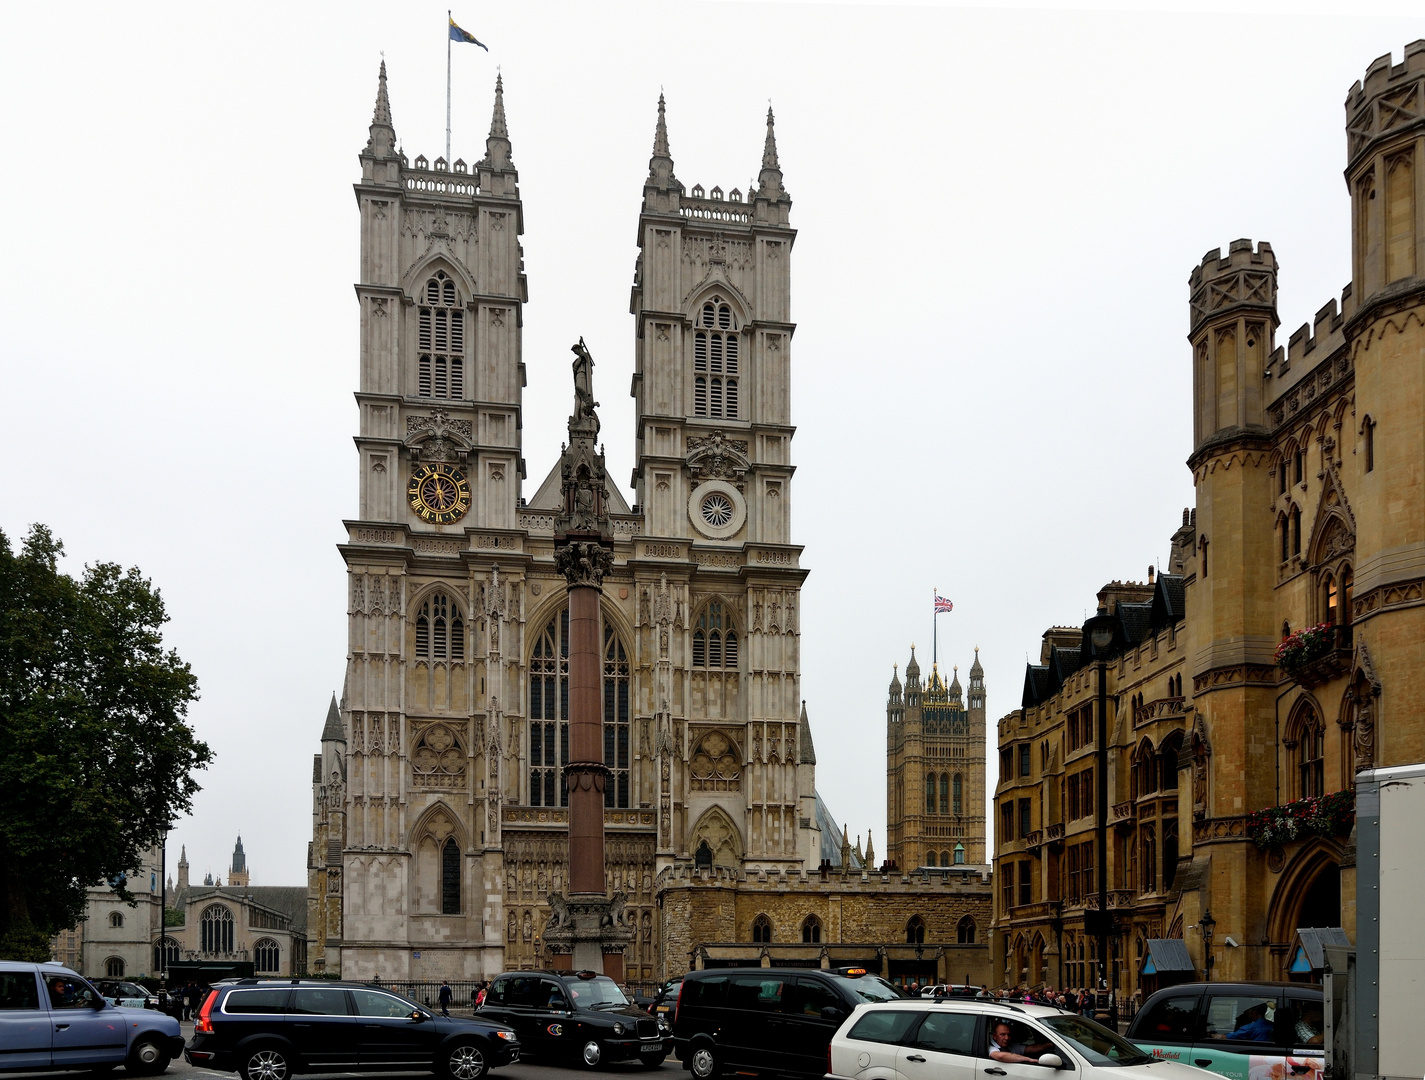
pixel 648 1048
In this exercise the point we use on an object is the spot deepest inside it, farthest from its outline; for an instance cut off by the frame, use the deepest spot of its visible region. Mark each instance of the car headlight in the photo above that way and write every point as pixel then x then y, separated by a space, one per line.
pixel 618 1028
pixel 662 1023
pixel 510 1035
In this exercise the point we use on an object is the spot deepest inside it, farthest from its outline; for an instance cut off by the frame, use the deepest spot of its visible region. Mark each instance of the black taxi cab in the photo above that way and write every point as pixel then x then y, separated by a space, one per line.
pixel 575 1015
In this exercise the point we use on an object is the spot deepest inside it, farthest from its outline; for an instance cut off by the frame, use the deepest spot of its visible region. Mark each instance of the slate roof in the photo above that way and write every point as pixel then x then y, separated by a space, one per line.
pixel 1314 938
pixel 1168 954
pixel 333 731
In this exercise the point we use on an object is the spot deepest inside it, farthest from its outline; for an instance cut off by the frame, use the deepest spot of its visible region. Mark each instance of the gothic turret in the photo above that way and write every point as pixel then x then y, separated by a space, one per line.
pixel 183 868
pixel 237 872
pixel 956 690
pixel 662 188
pixel 497 167
pixel 807 755
pixel 977 683
pixel 894 693
pixel 381 142
pixel 772 200
pixel 912 680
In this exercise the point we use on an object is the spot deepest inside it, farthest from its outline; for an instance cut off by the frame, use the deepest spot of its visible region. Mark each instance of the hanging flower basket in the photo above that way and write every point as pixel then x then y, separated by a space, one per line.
pixel 1322 815
pixel 1315 655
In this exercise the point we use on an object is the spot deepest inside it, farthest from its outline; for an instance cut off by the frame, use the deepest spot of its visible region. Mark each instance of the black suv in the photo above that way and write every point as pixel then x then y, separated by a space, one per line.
pixel 266 1029
pixel 580 1015
pixel 767 1020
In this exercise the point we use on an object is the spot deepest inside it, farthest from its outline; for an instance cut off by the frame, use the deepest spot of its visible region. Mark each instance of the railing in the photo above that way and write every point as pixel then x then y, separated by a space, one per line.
pixel 1035 839
pixel 1054 832
pixel 1157 710
pixel 1124 811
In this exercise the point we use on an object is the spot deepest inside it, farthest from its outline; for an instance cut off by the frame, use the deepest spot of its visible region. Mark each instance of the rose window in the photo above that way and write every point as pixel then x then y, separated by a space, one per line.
pixel 717 510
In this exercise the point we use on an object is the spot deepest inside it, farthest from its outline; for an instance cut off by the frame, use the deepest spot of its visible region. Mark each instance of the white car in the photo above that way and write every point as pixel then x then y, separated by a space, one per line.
pixel 963 1039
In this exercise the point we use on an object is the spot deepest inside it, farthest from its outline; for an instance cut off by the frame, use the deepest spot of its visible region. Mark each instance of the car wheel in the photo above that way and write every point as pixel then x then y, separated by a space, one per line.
pixel 265 1063
pixel 147 1058
pixel 465 1062
pixel 703 1063
pixel 652 1061
pixel 593 1054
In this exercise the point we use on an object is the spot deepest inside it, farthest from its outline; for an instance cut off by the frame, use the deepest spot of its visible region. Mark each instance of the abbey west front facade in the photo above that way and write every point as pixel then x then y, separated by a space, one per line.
pixel 440 821
pixel 1279 657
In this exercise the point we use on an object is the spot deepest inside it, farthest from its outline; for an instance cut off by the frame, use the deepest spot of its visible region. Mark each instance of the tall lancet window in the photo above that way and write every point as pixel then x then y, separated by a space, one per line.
pixel 440 632
pixel 715 361
pixel 441 340
pixel 549 715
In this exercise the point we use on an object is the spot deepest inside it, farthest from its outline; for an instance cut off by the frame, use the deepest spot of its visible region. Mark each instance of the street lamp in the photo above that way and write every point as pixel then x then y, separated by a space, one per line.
pixel 1102 633
pixel 1206 925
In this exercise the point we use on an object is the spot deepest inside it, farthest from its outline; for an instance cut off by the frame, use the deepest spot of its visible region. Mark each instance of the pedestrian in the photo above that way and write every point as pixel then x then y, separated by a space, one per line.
pixel 480 994
pixel 445 997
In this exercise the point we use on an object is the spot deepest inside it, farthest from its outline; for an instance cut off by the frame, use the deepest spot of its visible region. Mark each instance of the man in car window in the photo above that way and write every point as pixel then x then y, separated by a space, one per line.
pixel 1002 1049
pixel 1257 1028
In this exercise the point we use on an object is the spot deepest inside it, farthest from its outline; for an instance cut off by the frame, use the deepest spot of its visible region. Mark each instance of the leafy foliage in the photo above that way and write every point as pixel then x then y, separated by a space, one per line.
pixel 96 756
pixel 1322 815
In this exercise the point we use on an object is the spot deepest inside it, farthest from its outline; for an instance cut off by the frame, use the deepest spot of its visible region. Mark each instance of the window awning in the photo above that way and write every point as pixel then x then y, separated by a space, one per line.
pixel 1309 955
pixel 1166 955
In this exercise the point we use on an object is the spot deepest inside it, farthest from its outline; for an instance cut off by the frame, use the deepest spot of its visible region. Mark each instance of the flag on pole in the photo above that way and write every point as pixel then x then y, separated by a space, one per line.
pixel 941 604
pixel 457 34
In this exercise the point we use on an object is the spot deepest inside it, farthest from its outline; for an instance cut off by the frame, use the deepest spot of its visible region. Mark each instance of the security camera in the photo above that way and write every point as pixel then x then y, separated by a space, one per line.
pixel 1232 942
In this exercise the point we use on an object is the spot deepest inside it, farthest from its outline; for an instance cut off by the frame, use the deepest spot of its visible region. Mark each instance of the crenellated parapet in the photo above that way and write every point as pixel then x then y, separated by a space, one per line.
pixel 1245 280
pixel 1387 104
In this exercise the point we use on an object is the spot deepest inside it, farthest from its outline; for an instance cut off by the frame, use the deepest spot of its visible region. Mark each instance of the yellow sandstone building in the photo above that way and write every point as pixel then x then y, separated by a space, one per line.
pixel 1281 651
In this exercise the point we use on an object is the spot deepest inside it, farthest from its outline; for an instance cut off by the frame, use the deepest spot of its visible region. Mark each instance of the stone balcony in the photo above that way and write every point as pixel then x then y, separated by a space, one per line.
pixel 1125 812
pixel 1160 709
pixel 1332 662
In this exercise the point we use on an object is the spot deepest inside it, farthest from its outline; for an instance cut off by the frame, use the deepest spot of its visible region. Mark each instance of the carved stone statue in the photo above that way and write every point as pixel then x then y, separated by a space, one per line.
pixel 585 420
pixel 1363 735
pixel 615 913
pixel 558 911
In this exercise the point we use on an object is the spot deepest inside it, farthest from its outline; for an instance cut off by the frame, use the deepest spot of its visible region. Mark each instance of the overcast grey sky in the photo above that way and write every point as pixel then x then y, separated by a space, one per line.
pixel 998 212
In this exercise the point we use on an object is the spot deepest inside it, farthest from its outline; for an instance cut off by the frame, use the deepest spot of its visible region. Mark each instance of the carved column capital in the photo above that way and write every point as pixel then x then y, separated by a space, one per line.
pixel 583 563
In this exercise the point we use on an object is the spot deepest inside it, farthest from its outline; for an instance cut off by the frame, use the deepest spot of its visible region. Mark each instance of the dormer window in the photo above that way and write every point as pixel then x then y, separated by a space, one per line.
pixel 441 340
pixel 715 361
pixel 698 191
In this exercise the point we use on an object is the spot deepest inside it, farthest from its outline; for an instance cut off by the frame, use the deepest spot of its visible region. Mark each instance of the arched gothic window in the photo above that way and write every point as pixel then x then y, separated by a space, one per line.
pixel 1284 528
pixel 216 929
pixel 1310 738
pixel 442 340
pixel 965 932
pixel 450 877
pixel 930 793
pixel 957 795
pixel 116 918
pixel 811 930
pixel 114 967
pixel 165 952
pixel 265 956
pixel 761 930
pixel 715 361
pixel 549 715
pixel 945 793
pixel 616 731
pixel 930 858
pixel 915 931
pixel 1296 531
pixel 715 639
pixel 945 858
pixel 440 631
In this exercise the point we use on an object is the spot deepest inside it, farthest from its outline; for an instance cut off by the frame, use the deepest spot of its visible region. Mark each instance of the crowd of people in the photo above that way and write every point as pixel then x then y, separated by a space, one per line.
pixel 1078 1000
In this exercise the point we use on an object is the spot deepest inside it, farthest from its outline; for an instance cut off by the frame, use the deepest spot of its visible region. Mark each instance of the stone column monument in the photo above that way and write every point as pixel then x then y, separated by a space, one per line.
pixel 588 926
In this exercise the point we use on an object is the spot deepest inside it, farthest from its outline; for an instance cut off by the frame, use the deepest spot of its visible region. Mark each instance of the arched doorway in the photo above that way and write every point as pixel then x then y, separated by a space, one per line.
pixel 1308 892
pixel 1321 906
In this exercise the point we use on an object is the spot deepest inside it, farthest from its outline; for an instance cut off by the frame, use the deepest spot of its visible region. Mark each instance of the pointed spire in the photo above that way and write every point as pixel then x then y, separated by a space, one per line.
pixel 870 852
pixel 660 165
pixel 382 141
pixel 769 148
pixel 807 755
pixel 498 130
pixel 497 143
pixel 769 181
pixel 333 731
pixel 660 133
pixel 975 669
pixel 182 853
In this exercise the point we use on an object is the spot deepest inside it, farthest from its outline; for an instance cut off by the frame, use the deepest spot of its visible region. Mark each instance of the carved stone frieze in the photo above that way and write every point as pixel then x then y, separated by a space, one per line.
pixel 583 563
pixel 717 457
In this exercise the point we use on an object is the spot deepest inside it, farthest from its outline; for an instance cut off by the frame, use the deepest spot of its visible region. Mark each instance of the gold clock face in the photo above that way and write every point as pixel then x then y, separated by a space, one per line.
pixel 440 494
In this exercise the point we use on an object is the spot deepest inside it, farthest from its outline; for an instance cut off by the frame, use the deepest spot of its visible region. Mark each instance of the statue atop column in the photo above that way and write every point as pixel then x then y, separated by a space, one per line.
pixel 582 527
pixel 585 420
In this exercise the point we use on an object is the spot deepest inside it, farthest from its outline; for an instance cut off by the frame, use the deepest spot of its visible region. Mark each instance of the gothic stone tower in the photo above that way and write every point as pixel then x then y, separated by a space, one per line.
pixel 440 810
pixel 935 769
pixel 441 288
pixel 712 377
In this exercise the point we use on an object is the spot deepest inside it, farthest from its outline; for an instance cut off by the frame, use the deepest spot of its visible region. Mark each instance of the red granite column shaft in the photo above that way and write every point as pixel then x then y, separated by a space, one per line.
pixel 586 745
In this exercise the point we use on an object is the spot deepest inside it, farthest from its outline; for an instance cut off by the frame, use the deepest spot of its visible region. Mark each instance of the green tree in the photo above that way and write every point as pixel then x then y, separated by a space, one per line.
pixel 96 755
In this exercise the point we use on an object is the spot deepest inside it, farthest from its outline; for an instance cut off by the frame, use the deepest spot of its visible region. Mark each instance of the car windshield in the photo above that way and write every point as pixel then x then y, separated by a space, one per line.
pixel 870 987
pixel 597 993
pixel 1099 1045
pixel 130 990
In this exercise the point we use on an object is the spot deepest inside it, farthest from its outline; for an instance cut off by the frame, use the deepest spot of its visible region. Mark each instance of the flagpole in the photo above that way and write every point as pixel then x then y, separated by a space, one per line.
pixel 935 628
pixel 448 18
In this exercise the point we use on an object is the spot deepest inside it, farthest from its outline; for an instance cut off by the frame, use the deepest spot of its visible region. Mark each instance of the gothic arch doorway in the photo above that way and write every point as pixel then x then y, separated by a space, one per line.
pixel 1308 893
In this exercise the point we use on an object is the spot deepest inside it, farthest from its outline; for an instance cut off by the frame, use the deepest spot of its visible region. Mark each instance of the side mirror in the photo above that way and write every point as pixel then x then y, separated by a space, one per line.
pixel 418 1015
pixel 1051 1061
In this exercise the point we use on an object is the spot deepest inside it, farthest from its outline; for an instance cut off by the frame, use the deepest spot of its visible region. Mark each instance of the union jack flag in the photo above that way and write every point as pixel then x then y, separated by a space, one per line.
pixel 941 604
